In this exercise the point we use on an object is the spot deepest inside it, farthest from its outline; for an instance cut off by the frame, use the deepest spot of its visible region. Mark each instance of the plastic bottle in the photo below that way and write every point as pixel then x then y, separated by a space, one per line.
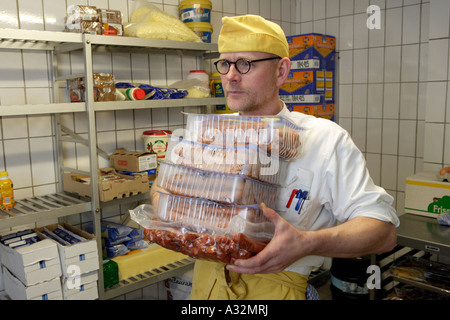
pixel 199 75
pixel 132 93
pixel 6 191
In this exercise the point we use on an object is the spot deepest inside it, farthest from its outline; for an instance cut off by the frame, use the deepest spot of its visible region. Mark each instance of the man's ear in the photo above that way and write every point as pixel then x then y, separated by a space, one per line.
pixel 284 67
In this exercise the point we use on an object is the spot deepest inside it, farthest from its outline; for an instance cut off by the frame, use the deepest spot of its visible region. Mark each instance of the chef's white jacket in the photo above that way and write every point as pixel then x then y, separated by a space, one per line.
pixel 332 176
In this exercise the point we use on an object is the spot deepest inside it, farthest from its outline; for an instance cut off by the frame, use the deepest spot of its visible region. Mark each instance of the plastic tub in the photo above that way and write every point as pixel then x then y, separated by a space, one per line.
pixel 240 160
pixel 205 229
pixel 223 188
pixel 275 135
pixel 203 29
pixel 195 11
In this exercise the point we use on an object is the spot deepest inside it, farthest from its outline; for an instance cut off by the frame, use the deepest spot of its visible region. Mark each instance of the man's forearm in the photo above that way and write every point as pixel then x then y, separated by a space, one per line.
pixel 357 237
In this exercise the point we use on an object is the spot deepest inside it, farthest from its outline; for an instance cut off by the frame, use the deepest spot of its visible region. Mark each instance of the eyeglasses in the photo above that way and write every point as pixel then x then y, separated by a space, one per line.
pixel 243 66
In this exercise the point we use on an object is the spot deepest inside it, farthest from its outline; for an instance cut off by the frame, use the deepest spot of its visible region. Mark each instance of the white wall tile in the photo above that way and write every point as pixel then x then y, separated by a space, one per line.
pixel 306 10
pixel 345 32
pixel 361 32
pixel 11 67
pixel 390 137
pixel 375 100
pixel 346 67
pixel 319 8
pixel 447 142
pixel 439 23
pixel 374 137
pixel 434 142
pixel 376 63
pixel 408 100
pixel 359 129
pixel 437 59
pixel 389 172
pixel 346 7
pixel 360 65
pixel 407 138
pixel 411 29
pixel 30 15
pixel 391 101
pixel 359 101
pixel 345 100
pixel 374 167
pixel 392 64
pixel 410 66
pixel 9 17
pixel 436 101
pixel 42 160
pixel 39 125
pixel 14 127
pixel 393 26
pixel 17 156
pixel 405 168
pixel 332 9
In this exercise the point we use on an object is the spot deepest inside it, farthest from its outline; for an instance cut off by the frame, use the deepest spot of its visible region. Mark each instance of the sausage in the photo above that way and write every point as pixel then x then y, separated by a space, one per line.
pixel 219 248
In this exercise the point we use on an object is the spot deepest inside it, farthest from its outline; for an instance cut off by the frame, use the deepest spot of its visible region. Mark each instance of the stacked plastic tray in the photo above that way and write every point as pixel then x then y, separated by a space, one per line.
pixel 214 181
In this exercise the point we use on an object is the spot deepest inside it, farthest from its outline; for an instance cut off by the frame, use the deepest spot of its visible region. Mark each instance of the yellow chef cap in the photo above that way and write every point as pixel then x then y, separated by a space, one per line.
pixel 252 33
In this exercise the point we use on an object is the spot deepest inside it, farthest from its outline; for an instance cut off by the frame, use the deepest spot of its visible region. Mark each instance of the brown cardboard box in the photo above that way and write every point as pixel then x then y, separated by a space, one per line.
pixel 109 188
pixel 133 161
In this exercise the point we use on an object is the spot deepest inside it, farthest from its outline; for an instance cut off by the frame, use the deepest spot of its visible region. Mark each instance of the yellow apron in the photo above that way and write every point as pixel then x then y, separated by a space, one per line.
pixel 212 281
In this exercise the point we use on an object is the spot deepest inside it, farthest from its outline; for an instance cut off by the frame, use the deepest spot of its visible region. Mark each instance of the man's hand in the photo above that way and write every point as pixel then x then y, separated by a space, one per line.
pixel 284 248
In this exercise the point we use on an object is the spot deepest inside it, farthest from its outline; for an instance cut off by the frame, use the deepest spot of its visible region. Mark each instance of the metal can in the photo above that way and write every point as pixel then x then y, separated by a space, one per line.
pixel 156 141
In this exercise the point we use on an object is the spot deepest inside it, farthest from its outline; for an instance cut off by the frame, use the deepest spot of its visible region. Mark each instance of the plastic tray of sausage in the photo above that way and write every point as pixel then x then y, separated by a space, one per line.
pixel 240 160
pixel 204 229
pixel 275 135
pixel 218 187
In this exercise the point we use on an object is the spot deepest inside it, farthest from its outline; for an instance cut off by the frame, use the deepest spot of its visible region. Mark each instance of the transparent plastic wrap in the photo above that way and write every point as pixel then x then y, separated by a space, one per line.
pixel 147 21
pixel 275 135
pixel 154 93
pixel 223 188
pixel 204 229
pixel 245 160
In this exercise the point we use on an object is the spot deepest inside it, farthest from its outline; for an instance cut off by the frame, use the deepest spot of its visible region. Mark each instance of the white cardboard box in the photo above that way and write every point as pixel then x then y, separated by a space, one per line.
pixel 82 287
pixel 82 255
pixel 16 290
pixel 32 264
pixel 427 196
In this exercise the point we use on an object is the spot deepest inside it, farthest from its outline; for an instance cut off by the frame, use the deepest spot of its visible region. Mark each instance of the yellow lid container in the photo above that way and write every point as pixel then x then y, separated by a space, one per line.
pixel 203 29
pixel 195 11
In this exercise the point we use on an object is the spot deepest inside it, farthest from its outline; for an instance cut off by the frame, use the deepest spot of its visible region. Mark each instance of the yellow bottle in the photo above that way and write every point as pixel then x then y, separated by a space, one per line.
pixel 6 191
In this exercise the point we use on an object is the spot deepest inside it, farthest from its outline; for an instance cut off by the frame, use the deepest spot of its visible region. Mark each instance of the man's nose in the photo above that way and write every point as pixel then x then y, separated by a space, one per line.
pixel 233 74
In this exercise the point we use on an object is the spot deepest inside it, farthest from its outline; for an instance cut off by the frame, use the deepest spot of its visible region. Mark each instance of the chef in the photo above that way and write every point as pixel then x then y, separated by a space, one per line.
pixel 329 206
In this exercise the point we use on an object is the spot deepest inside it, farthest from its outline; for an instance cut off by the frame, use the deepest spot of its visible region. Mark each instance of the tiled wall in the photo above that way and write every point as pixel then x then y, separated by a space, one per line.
pixel 393 84
pixel 382 81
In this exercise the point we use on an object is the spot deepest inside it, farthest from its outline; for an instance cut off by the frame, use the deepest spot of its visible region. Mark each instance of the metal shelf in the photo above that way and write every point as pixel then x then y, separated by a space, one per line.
pixel 150 277
pixel 41 208
pixel 422 285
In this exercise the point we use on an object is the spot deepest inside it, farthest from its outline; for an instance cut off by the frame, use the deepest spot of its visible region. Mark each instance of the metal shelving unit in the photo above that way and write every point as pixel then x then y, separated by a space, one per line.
pixel 59 205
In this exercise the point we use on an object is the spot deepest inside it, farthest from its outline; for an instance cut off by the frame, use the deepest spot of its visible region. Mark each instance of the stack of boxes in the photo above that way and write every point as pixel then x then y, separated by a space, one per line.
pixel 46 269
pixel 89 19
pixel 310 86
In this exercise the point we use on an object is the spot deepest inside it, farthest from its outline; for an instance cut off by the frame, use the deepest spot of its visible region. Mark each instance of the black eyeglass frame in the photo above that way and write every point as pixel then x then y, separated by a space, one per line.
pixel 241 59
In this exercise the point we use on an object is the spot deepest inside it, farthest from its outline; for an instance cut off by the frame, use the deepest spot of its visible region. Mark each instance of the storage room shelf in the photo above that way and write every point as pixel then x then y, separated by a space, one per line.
pixel 422 285
pixel 26 109
pixel 41 208
pixel 150 277
pixel 50 40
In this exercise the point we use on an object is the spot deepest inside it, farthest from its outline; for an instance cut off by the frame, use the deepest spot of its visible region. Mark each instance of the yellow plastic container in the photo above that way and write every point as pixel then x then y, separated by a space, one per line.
pixel 6 191
pixel 195 11
pixel 203 29
pixel 217 91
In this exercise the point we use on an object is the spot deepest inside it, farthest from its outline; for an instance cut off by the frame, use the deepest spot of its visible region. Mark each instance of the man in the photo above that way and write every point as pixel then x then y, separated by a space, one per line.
pixel 345 214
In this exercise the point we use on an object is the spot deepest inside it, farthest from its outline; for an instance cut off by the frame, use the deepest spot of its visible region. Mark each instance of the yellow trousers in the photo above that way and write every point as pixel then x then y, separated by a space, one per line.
pixel 212 281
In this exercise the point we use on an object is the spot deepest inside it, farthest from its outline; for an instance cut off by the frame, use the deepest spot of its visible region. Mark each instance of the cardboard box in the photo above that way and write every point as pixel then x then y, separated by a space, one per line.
pixel 126 186
pixel 32 264
pixel 303 82
pixel 302 98
pixel 82 255
pixel 425 195
pixel 313 46
pixel 83 287
pixel 323 110
pixel 133 161
pixel 16 290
